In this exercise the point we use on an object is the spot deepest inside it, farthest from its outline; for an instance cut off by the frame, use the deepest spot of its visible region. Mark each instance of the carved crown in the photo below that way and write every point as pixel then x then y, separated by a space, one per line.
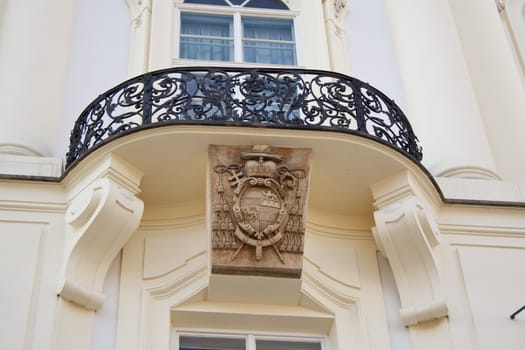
pixel 260 162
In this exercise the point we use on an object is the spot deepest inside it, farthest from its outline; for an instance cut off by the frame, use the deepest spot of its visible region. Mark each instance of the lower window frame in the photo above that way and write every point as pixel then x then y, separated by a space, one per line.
pixel 250 337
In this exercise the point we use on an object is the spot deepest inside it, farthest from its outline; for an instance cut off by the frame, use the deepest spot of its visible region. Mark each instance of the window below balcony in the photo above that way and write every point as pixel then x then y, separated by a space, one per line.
pixel 250 31
pixel 244 342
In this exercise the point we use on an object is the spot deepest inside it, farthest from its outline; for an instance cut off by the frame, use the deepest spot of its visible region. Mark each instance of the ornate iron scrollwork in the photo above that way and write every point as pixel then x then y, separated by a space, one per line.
pixel 291 98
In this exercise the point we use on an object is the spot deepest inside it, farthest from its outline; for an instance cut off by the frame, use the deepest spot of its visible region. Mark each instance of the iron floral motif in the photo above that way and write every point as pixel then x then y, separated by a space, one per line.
pixel 269 97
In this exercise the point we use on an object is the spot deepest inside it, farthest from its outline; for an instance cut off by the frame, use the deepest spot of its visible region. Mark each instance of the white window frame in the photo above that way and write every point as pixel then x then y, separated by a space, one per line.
pixel 250 337
pixel 237 13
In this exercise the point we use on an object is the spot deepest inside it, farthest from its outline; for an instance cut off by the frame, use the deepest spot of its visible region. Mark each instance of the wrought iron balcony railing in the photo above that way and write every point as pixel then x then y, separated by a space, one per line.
pixel 265 97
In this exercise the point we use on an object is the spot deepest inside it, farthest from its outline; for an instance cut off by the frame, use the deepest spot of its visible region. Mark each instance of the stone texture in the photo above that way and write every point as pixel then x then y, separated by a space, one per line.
pixel 258 198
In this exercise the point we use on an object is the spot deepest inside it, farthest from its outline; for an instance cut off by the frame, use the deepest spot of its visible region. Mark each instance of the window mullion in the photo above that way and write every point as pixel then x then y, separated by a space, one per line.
pixel 237 34
pixel 298 57
pixel 250 342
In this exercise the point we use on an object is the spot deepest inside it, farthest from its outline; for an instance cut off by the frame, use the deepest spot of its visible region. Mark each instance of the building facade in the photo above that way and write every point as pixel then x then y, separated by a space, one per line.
pixel 262 174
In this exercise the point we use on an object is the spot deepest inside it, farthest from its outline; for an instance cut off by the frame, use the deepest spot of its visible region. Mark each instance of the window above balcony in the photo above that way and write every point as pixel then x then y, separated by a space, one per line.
pixel 258 32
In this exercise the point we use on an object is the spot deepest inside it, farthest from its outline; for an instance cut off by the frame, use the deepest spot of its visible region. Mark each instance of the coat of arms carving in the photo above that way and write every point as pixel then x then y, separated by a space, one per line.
pixel 258 199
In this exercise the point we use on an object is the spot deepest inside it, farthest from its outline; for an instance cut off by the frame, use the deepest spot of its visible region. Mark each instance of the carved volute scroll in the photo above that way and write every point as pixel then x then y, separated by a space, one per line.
pixel 408 235
pixel 258 206
pixel 99 221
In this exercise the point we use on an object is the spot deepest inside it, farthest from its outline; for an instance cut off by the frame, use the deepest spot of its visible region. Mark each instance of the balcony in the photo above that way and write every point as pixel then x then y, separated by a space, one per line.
pixel 262 98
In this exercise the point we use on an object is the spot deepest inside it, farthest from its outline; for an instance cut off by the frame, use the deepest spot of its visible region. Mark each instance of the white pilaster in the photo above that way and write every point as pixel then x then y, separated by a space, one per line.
pixel 161 35
pixel 495 78
pixel 334 15
pixel 140 36
pixel 442 106
pixel 34 48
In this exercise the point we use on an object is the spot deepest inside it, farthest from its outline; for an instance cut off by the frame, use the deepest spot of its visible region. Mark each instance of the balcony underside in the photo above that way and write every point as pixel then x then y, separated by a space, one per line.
pixel 174 162
pixel 163 122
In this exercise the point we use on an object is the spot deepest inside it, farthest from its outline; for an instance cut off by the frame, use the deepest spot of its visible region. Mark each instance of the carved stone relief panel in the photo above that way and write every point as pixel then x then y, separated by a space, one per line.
pixel 258 195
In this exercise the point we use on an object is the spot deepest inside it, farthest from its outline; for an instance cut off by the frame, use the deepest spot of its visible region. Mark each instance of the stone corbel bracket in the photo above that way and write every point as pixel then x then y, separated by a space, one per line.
pixel 99 221
pixel 407 234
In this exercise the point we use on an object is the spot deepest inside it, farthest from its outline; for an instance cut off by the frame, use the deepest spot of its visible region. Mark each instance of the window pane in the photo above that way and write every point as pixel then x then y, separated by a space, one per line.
pixel 286 345
pixel 267 4
pixel 211 343
pixel 201 24
pixel 207 2
pixel 270 53
pixel 206 49
pixel 201 37
pixel 273 41
pixel 268 28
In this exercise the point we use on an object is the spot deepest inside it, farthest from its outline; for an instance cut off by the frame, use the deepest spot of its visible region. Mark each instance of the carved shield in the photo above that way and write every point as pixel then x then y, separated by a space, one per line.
pixel 259 208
